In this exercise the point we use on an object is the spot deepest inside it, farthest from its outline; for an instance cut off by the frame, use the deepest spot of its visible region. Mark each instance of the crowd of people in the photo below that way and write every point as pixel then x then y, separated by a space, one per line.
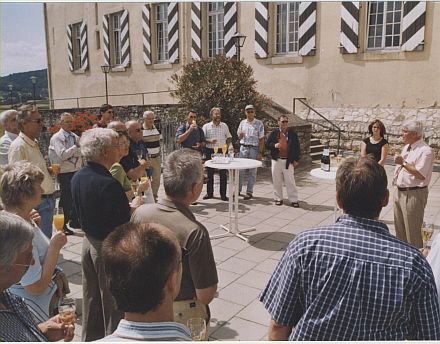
pixel 147 262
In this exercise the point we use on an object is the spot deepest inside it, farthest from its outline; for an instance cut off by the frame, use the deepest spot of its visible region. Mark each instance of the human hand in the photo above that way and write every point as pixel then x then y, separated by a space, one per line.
pixel 143 186
pixel 259 157
pixel 214 141
pixel 55 330
pixel 295 163
pixel 277 145
pixel 58 240
pixel 424 251
pixel 137 202
pixel 144 163
pixel 241 135
pixel 193 126
pixel 398 159
pixel 35 216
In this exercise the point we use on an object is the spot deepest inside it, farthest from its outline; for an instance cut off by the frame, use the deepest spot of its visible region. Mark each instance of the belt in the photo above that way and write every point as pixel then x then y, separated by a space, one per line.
pixel 411 188
pixel 152 156
pixel 248 145
pixel 282 158
pixel 47 196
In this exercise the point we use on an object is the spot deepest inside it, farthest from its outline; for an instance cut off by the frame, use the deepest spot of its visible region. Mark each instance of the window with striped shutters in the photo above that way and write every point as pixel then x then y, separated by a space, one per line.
pixel 77 48
pixel 116 39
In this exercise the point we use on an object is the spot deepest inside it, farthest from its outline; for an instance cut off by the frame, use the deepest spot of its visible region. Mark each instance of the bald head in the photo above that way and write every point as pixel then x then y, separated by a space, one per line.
pixel 117 126
pixel 134 130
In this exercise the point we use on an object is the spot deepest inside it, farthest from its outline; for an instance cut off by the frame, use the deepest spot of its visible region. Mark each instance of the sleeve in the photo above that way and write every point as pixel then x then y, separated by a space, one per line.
pixel 118 173
pixel 60 150
pixel 116 206
pixel 16 153
pixel 261 130
pixel 205 129
pixel 202 135
pixel 296 146
pixel 271 141
pixel 33 274
pixel 239 129
pixel 201 259
pixel 425 161
pixel 180 131
pixel 282 295
pixel 228 133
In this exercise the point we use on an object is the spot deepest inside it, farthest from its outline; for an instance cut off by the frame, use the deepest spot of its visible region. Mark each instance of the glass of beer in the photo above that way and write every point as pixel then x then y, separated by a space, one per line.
pixel 67 311
pixel 225 149
pixel 58 219
pixel 197 327
pixel 427 231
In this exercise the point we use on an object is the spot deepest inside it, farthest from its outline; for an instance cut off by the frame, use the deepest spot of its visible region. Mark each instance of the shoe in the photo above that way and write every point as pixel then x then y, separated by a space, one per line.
pixel 278 202
pixel 247 196
pixel 68 231
pixel 74 224
pixel 225 198
pixel 208 196
pixel 295 204
pixel 195 203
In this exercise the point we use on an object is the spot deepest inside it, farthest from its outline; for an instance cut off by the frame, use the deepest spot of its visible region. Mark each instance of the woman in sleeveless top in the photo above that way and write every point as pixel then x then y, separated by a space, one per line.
pixel 376 145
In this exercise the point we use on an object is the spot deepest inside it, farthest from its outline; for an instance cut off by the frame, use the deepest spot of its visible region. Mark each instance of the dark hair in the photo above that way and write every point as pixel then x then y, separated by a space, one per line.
pixel 381 125
pixel 282 116
pixel 193 111
pixel 138 260
pixel 104 108
pixel 361 185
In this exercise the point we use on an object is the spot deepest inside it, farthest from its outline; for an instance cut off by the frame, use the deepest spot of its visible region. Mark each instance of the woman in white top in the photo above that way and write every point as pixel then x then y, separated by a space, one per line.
pixel 20 192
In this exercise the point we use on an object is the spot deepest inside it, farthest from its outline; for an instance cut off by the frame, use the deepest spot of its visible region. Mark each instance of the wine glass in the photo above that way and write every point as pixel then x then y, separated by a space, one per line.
pixel 427 231
pixel 58 219
pixel 139 154
pixel 197 327
pixel 67 310
pixel 224 149
pixel 215 149
pixel 56 168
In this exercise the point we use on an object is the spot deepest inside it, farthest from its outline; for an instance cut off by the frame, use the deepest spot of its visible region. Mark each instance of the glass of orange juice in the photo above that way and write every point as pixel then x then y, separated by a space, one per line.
pixel 58 219
pixel 224 149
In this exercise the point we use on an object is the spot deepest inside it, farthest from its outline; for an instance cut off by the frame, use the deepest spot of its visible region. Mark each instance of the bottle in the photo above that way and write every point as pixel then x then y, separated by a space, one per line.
pixel 325 160
pixel 231 152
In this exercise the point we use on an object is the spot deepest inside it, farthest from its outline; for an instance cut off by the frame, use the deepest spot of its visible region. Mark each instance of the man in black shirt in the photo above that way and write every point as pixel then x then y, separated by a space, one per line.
pixel 101 205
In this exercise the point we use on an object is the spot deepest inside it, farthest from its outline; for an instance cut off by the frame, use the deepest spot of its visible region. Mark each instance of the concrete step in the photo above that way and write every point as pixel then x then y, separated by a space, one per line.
pixel 316 156
pixel 316 148
pixel 314 142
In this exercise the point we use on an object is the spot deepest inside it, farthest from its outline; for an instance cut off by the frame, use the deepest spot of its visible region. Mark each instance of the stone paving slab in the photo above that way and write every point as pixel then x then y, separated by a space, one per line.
pixel 245 267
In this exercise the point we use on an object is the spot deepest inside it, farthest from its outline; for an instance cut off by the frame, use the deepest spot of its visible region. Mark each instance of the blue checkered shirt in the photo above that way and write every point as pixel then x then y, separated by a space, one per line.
pixel 353 280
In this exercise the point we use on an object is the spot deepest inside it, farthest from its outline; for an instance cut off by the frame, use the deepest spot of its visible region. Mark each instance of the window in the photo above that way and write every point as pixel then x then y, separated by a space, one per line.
pixel 115 39
pixel 384 21
pixel 287 20
pixel 162 32
pixel 76 45
pixel 215 28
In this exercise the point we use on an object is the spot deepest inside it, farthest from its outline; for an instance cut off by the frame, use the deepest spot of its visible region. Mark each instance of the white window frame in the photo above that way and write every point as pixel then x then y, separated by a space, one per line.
pixel 76 46
pixel 287 45
pixel 115 39
pixel 384 25
pixel 215 21
pixel 161 23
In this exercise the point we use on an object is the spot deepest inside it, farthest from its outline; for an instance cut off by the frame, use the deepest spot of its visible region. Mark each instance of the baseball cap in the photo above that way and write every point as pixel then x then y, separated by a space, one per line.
pixel 249 107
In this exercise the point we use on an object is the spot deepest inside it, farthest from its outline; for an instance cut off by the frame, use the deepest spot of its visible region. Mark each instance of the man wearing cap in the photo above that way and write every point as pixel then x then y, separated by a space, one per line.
pixel 251 135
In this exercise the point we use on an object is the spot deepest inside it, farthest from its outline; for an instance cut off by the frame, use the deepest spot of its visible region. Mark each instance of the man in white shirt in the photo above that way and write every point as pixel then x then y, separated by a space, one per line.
pixel 412 176
pixel 216 135
pixel 9 124
pixel 64 150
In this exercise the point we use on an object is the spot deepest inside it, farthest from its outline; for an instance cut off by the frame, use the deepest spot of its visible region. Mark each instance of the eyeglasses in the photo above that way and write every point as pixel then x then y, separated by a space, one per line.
pixel 250 111
pixel 122 132
pixel 284 121
pixel 138 130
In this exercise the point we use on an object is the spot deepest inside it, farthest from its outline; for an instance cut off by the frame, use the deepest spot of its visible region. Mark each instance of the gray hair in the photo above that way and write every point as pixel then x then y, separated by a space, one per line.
pixel 182 170
pixel 15 236
pixel 414 126
pixel 146 113
pixel 64 115
pixel 130 123
pixel 5 115
pixel 24 115
pixel 94 142
pixel 214 108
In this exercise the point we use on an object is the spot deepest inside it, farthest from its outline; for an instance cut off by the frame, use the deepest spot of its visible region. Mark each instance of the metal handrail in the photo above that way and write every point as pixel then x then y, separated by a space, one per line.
pixel 338 130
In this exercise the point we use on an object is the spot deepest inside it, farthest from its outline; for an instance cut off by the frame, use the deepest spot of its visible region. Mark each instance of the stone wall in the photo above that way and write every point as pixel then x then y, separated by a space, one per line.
pixel 354 125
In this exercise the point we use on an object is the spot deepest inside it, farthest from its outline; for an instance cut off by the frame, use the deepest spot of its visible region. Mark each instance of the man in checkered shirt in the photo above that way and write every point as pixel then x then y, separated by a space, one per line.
pixel 353 280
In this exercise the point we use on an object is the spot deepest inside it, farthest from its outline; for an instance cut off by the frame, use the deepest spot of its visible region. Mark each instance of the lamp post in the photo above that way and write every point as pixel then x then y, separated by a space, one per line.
pixel 34 81
pixel 106 69
pixel 10 95
pixel 239 39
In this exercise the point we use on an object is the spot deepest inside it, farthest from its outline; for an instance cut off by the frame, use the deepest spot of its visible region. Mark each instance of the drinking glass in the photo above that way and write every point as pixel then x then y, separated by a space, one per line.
pixel 197 327
pixel 427 231
pixel 224 149
pixel 56 168
pixel 67 310
pixel 58 219
pixel 215 149
pixel 139 154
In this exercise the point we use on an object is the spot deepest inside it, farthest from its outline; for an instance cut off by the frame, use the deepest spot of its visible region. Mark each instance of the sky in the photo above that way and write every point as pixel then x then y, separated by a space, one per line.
pixel 22 39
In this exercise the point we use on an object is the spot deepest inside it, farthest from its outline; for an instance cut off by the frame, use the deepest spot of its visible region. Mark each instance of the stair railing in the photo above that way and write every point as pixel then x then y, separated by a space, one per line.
pixel 333 127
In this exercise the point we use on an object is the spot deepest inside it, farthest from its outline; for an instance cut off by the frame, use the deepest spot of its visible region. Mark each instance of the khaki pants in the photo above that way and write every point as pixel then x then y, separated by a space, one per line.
pixel 409 209
pixel 187 309
pixel 156 164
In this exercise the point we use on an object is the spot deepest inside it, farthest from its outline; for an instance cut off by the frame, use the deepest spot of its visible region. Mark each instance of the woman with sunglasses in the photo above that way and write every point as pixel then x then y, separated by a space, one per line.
pixel 20 192
pixel 376 145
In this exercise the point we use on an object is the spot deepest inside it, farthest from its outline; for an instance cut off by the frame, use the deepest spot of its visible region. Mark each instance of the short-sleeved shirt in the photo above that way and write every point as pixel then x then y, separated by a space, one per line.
pixel 194 137
pixel 220 132
pixel 375 148
pixel 254 131
pixel 37 304
pixel 151 138
pixel 131 160
pixel 199 269
pixel 5 143
pixel 119 174
pixel 99 200
pixel 350 281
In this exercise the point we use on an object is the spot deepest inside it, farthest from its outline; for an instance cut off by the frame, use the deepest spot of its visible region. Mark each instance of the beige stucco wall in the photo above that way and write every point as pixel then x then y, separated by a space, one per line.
pixel 329 79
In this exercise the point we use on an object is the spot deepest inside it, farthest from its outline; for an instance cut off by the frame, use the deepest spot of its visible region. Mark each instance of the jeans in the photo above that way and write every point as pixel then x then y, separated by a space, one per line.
pixel 45 209
pixel 248 153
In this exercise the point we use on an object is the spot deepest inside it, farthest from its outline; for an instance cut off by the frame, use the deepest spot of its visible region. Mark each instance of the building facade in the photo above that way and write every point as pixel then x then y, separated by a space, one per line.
pixel 353 61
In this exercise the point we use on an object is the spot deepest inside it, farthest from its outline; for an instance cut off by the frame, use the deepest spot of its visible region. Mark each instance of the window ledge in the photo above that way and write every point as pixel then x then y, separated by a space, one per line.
pixel 285 59
pixel 78 71
pixel 381 55
pixel 118 69
pixel 162 65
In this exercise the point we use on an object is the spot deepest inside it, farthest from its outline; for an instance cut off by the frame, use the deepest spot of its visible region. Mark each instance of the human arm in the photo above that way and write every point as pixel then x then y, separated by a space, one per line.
pixel 383 154
pixel 206 295
pixel 136 172
pixel 363 149
pixel 421 167
pixel 278 332
pixel 16 152
pixel 55 330
pixel 272 141
pixel 182 135
pixel 35 216
pixel 260 149
pixel 57 144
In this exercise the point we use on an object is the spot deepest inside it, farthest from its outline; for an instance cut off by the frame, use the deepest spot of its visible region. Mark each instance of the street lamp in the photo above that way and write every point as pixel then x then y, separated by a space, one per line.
pixel 10 94
pixel 34 81
pixel 106 69
pixel 239 39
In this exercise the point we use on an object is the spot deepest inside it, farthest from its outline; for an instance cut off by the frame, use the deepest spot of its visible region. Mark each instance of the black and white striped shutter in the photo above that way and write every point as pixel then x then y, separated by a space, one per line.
pixel 84 49
pixel 196 41
pixel 261 27
pixel 307 28
pixel 413 25
pixel 125 40
pixel 173 32
pixel 146 34
pixel 349 40
pixel 105 39
pixel 230 28
pixel 69 47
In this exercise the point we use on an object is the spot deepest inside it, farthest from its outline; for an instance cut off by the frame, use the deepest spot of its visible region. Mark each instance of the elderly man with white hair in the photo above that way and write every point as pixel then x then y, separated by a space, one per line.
pixel 412 176
pixel 9 124
pixel 101 205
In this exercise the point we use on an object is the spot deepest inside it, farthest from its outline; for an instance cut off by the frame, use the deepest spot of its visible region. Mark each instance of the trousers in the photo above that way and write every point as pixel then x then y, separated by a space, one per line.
pixel 157 171
pixel 248 153
pixel 210 171
pixel 66 197
pixel 45 209
pixel 280 174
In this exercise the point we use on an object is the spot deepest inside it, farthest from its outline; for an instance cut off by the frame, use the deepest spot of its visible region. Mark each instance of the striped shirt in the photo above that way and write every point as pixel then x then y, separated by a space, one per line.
pixel 128 331
pixel 353 280
pixel 152 138
pixel 220 132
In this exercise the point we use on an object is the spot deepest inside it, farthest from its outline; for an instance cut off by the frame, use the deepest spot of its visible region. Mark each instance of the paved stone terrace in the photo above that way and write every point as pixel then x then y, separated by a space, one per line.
pixel 244 268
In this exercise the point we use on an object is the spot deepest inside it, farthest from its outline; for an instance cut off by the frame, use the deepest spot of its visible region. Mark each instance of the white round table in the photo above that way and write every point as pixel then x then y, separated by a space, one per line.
pixel 234 168
pixel 331 175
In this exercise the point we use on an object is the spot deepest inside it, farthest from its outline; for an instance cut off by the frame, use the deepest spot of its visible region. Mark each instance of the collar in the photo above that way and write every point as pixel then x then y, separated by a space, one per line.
pixel 356 221
pixel 28 140
pixel 66 133
pixel 133 330
pixel 12 136
pixel 167 203
pixel 250 121
pixel 144 127
pixel 418 143
pixel 219 124
pixel 98 168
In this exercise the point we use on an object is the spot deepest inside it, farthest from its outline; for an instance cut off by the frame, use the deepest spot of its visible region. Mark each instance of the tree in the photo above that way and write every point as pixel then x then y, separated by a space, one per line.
pixel 219 82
